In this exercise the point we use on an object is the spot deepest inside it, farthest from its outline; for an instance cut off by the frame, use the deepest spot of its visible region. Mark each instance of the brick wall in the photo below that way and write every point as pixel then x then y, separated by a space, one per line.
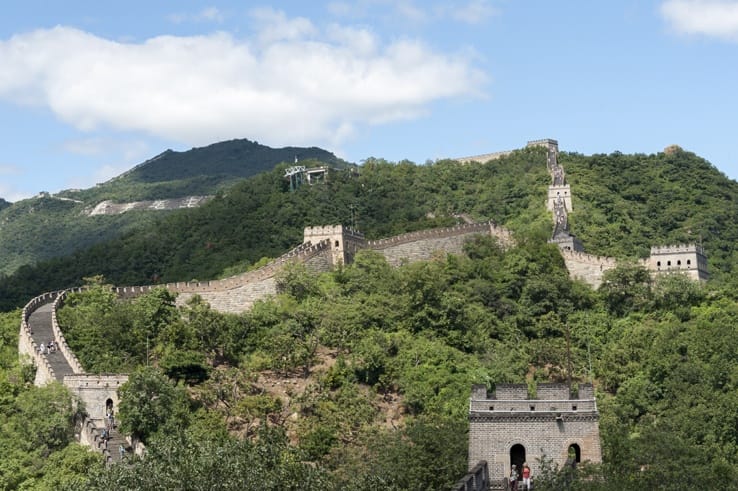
pixel 542 426
pixel 420 246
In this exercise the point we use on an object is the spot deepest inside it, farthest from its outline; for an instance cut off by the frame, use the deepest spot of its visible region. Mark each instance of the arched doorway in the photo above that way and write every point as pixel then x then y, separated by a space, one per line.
pixel 517 457
pixel 573 455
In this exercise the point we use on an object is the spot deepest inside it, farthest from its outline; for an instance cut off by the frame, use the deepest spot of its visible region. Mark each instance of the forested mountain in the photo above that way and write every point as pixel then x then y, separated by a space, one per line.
pixel 360 378
pixel 4 204
pixel 49 226
pixel 623 205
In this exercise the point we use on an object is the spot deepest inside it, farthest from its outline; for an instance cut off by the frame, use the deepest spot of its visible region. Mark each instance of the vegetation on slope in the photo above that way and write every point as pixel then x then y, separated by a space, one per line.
pixel 48 226
pixel 625 204
pixel 360 378
pixel 260 217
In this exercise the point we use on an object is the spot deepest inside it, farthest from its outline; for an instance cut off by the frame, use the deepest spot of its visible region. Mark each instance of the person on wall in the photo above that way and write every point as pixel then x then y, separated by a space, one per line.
pixel 526 476
pixel 514 478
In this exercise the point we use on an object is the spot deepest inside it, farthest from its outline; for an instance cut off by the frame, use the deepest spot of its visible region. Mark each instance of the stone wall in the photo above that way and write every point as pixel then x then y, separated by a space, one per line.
pixel 59 337
pixel 546 425
pixel 94 391
pixel 687 259
pixel 420 246
pixel 483 158
pixel 27 347
pixel 587 267
pixel 238 293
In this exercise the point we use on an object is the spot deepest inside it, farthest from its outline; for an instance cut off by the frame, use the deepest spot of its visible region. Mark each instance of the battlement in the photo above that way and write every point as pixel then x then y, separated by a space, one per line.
pixel 677 248
pixel 486 157
pixel 330 230
pixel 512 426
pixel 679 258
pixel 549 397
pixel 463 229
pixel 544 142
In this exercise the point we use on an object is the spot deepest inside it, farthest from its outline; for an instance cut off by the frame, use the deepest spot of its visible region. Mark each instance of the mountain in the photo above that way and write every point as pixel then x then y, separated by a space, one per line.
pixel 623 205
pixel 49 226
pixel 360 378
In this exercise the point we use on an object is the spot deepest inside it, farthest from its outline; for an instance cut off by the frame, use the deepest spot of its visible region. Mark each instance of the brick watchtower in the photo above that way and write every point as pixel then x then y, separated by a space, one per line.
pixel 510 427
pixel 688 259
pixel 345 242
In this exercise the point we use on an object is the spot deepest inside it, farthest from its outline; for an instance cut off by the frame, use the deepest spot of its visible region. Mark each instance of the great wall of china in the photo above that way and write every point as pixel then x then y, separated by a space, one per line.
pixel 322 249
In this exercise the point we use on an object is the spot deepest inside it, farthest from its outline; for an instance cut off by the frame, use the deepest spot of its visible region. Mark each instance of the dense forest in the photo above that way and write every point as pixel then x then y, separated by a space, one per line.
pixel 360 378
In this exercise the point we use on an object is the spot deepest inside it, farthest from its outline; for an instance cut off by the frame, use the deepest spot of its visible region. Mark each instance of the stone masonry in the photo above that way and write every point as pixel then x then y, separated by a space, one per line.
pixel 509 426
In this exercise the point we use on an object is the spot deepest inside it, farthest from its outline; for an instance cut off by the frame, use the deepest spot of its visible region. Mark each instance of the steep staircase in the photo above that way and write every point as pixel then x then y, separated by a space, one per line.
pixel 40 324
pixel 41 332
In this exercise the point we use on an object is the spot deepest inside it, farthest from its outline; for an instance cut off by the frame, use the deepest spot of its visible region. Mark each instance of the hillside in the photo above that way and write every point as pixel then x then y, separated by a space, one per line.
pixel 623 205
pixel 359 378
pixel 49 226
pixel 260 217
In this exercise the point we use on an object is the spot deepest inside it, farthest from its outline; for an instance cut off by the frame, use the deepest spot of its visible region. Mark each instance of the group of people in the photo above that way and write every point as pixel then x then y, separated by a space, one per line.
pixel 45 349
pixel 524 473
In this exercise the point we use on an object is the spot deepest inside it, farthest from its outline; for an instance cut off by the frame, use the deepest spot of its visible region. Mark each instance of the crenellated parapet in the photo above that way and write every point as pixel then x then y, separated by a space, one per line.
pixel 344 242
pixel 687 259
pixel 59 336
pixel 512 426
pixel 504 235
pixel 27 346
pixel 99 393
pixel 486 157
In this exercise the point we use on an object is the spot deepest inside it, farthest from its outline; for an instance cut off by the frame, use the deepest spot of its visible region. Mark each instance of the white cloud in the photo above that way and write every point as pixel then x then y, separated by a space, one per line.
pixel 718 18
pixel 408 13
pixel 473 12
pixel 209 14
pixel 304 86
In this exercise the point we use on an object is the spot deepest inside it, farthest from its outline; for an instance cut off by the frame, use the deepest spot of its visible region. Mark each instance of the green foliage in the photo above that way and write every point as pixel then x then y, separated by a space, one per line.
pixel 408 342
pixel 150 402
pixel 181 461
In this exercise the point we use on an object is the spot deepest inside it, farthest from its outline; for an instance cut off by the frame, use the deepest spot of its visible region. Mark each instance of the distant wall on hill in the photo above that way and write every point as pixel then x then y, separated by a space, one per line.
pixel 420 246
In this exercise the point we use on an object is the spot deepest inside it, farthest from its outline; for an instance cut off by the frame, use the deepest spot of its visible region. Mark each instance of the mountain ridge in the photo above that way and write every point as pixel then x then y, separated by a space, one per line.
pixel 53 225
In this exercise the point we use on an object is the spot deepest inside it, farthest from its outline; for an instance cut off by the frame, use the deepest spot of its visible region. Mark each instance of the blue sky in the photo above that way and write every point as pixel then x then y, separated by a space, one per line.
pixel 89 89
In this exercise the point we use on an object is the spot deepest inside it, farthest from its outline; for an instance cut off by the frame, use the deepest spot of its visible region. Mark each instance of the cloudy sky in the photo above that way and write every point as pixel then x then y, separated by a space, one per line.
pixel 89 89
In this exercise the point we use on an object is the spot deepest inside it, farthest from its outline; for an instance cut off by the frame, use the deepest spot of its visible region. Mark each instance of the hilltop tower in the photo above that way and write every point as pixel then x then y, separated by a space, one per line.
pixel 559 198
pixel 510 427
pixel 345 242
pixel 689 259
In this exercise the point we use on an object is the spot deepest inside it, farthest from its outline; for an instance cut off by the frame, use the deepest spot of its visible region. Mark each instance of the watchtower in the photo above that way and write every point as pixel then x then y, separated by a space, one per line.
pixel 345 242
pixel 689 259
pixel 510 427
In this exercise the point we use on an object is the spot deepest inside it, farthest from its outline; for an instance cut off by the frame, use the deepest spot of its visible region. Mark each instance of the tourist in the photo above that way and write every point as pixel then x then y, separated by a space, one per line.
pixel 514 478
pixel 526 476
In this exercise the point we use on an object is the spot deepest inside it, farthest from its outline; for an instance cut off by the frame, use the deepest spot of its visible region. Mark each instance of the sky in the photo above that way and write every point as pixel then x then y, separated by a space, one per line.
pixel 88 89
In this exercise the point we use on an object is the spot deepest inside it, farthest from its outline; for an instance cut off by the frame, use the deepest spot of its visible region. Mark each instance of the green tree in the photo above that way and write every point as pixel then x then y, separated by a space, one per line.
pixel 149 402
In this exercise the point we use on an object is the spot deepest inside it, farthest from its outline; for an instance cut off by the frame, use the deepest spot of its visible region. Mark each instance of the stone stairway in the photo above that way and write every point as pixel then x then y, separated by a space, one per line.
pixel 111 448
pixel 40 324
pixel 41 332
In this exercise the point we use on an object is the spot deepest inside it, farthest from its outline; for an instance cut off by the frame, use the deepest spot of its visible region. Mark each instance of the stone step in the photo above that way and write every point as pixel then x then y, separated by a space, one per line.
pixel 42 332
